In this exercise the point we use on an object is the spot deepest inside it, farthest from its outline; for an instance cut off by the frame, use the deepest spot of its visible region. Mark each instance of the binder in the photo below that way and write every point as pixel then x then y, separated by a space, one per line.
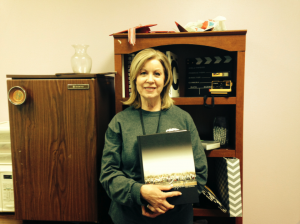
pixel 167 158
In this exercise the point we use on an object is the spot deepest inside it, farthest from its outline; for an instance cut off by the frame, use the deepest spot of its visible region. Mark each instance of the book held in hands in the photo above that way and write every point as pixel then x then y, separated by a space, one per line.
pixel 167 158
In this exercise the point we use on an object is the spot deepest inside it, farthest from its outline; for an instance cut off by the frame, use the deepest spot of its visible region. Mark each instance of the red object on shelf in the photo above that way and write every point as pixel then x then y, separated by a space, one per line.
pixel 137 29
pixel 181 29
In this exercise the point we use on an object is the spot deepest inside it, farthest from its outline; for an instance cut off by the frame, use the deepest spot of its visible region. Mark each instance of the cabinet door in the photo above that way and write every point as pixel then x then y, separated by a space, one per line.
pixel 53 140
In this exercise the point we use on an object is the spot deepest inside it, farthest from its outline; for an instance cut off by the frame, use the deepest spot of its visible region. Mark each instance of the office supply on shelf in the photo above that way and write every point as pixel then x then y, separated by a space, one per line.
pixel 209 145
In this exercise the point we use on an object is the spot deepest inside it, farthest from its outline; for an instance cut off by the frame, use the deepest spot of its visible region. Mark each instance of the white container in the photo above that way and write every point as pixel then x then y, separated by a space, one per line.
pixel 6 189
pixel 4 132
pixel 5 159
pixel 6 181
pixel 5 146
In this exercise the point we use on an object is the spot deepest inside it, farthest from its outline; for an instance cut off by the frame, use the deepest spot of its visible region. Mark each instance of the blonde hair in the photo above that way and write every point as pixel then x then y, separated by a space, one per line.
pixel 137 64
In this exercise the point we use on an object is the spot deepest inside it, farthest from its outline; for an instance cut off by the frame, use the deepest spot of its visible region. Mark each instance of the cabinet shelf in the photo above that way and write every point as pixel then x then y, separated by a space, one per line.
pixel 220 153
pixel 200 100
pixel 209 213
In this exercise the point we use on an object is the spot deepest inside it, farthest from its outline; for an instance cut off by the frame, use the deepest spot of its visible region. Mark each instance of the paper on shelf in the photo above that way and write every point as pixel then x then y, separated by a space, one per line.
pixel 216 24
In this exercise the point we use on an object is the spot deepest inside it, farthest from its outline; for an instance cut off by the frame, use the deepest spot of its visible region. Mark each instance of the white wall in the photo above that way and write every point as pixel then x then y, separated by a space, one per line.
pixel 36 38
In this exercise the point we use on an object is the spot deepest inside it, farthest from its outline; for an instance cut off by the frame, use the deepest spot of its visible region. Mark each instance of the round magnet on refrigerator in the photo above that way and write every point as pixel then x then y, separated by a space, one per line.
pixel 17 95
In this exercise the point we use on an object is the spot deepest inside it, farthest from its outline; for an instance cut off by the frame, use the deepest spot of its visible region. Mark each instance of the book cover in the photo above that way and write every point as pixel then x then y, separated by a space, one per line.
pixel 167 158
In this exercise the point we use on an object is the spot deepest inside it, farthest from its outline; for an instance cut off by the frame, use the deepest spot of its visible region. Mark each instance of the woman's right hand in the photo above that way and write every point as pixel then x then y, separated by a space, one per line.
pixel 155 196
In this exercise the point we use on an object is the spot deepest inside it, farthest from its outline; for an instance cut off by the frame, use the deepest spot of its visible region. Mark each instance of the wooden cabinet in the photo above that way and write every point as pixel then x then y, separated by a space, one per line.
pixel 57 137
pixel 186 45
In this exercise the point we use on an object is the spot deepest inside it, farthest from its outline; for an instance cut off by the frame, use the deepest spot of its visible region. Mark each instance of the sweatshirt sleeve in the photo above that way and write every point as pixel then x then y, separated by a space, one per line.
pixel 119 188
pixel 199 158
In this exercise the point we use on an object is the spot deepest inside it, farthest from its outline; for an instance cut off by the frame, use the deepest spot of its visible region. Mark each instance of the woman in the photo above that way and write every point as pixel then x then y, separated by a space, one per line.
pixel 151 109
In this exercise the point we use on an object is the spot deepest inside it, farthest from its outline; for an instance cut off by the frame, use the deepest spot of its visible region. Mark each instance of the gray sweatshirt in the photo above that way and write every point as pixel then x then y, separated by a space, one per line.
pixel 120 169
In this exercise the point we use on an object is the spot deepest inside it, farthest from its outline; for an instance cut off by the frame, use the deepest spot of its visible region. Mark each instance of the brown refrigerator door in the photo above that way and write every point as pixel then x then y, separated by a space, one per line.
pixel 54 150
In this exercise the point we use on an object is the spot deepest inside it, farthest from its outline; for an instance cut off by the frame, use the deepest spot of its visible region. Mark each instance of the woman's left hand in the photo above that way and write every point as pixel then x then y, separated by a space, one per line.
pixel 149 213
pixel 156 196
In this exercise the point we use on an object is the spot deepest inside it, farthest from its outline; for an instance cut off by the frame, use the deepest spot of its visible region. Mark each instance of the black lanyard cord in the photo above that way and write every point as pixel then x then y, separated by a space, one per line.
pixel 142 121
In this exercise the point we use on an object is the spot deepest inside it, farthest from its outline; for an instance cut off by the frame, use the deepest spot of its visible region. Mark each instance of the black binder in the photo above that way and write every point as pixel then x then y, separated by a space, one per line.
pixel 167 158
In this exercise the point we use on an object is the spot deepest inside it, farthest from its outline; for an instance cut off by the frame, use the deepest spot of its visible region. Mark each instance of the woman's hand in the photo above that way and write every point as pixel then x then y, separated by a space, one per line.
pixel 148 212
pixel 155 196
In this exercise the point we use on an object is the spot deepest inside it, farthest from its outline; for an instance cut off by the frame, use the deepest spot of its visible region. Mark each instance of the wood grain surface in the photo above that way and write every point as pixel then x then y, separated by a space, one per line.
pixel 189 45
pixel 54 151
pixel 228 40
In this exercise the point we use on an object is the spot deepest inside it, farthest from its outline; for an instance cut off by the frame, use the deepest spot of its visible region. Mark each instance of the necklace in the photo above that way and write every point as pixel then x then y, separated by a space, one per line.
pixel 142 122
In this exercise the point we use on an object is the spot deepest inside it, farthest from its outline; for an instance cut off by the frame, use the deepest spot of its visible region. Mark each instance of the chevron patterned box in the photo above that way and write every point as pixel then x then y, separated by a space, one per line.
pixel 229 185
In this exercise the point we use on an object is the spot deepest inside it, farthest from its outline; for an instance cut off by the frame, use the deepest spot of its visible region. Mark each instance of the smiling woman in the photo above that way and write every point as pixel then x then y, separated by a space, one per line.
pixel 151 111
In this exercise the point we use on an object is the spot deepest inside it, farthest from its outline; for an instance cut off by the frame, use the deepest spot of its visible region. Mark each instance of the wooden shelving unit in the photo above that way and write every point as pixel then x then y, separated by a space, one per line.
pixel 200 101
pixel 221 153
pixel 209 212
pixel 192 45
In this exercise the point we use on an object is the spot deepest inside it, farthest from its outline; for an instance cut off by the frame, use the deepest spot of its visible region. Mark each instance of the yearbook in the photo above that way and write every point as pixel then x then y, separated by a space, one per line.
pixel 167 158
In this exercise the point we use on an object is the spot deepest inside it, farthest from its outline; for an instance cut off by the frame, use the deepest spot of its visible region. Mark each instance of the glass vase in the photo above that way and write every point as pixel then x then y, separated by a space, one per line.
pixel 81 62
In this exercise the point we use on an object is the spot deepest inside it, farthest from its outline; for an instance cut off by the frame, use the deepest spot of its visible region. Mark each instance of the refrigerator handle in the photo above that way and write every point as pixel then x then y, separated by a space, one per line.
pixel 17 95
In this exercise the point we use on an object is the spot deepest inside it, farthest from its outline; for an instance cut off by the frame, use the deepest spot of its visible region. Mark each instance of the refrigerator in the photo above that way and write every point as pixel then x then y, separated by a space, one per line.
pixel 57 128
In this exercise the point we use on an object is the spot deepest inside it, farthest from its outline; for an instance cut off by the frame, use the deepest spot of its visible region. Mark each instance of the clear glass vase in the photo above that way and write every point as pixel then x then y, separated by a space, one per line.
pixel 81 62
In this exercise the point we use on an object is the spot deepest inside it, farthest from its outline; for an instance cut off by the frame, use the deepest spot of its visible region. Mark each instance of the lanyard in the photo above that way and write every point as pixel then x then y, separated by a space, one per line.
pixel 142 122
